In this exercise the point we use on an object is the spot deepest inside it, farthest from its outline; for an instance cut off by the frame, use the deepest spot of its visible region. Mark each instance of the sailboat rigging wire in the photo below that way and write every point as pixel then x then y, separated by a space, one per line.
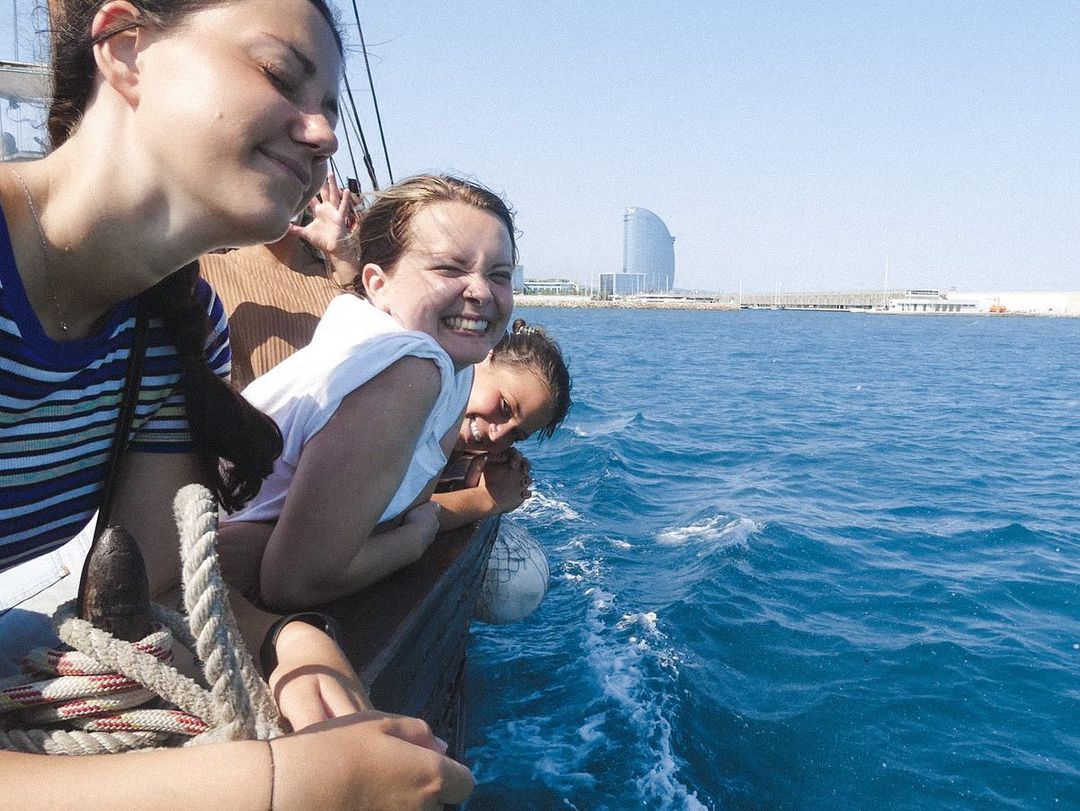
pixel 348 146
pixel 368 164
pixel 374 98
pixel 363 141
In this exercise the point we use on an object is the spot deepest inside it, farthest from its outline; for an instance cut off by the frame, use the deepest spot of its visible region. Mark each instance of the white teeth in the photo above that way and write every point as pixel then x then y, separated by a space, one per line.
pixel 474 430
pixel 474 324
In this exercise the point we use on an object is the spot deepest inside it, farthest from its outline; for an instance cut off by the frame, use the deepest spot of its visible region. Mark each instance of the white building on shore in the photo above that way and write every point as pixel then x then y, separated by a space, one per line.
pixel 953 302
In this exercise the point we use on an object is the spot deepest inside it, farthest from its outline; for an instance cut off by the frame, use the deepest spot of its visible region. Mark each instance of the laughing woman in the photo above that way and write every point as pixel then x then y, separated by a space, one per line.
pixel 208 123
pixel 372 407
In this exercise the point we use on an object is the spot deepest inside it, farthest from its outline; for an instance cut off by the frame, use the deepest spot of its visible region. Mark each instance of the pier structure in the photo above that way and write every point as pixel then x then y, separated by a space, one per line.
pixel 848 300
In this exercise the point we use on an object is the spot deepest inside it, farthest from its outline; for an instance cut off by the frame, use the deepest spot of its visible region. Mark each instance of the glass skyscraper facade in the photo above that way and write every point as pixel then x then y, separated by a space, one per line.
pixel 648 249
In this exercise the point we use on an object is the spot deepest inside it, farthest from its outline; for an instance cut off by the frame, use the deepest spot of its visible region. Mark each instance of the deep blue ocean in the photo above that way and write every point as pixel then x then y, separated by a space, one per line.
pixel 798 560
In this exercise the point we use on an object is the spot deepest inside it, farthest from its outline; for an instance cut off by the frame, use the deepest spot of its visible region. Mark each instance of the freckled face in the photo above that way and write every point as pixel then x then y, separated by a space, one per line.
pixel 507 404
pixel 238 105
pixel 453 281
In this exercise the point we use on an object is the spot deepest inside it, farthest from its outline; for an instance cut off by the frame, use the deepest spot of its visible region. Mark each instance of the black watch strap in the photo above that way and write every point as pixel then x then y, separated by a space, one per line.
pixel 268 650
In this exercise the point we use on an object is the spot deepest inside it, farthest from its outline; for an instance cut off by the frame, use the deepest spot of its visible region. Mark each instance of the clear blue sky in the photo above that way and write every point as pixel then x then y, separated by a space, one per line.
pixel 798 144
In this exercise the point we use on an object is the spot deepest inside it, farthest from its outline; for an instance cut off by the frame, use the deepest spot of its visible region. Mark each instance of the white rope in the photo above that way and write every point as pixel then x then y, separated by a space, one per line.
pixel 238 704
pixel 61 742
pixel 244 707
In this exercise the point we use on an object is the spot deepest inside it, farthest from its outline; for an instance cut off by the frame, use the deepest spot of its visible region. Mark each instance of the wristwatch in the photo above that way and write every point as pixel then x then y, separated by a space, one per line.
pixel 268 650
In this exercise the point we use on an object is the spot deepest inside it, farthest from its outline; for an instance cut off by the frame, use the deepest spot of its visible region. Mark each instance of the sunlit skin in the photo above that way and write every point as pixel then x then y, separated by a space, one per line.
pixel 508 404
pixel 453 281
pixel 263 115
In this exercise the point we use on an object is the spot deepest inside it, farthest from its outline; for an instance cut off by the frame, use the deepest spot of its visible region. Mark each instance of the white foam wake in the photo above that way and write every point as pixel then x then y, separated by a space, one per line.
pixel 719 529
pixel 621 657
pixel 545 506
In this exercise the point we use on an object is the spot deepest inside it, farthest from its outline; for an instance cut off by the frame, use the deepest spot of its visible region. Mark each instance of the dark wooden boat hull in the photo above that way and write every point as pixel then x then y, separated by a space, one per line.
pixel 407 635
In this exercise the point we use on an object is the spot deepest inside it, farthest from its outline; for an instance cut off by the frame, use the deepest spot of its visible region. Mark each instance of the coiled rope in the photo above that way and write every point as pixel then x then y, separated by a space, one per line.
pixel 99 689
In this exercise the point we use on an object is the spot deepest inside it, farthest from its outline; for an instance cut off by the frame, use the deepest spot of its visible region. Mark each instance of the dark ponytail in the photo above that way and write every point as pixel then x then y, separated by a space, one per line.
pixel 223 424
pixel 72 62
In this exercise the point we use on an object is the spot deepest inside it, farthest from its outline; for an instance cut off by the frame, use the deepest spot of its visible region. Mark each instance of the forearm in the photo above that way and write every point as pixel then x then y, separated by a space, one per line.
pixel 313 581
pixel 312 679
pixel 232 775
pixel 463 507
pixel 383 554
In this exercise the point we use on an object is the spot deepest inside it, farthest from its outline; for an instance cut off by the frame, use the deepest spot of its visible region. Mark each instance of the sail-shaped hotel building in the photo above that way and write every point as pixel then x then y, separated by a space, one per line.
pixel 648 249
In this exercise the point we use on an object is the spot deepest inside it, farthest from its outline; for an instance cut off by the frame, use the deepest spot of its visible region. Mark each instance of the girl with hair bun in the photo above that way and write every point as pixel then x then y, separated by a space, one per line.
pixel 178 127
pixel 520 389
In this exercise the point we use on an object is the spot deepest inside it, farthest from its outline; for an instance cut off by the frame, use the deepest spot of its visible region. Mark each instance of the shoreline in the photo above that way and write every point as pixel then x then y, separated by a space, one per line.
pixel 585 303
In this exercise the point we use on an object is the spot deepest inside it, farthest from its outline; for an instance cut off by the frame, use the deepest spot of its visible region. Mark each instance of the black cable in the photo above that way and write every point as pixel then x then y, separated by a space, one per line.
pixel 348 145
pixel 374 98
pixel 363 141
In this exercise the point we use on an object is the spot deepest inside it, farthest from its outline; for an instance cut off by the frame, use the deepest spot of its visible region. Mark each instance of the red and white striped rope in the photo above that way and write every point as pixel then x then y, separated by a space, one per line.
pixel 97 690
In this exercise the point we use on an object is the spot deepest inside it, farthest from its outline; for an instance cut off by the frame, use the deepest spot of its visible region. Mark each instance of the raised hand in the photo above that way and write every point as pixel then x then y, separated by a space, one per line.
pixel 334 219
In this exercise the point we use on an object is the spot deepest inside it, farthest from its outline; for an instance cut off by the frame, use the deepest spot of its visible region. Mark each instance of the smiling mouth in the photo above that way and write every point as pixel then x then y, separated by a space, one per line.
pixel 467 324
pixel 290 166
pixel 475 431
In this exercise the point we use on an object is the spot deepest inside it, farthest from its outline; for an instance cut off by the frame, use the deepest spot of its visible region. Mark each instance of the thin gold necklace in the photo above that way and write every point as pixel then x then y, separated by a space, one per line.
pixel 44 252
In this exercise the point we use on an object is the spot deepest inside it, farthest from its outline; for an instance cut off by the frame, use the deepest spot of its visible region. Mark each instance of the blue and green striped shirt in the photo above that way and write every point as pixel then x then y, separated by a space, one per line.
pixel 59 402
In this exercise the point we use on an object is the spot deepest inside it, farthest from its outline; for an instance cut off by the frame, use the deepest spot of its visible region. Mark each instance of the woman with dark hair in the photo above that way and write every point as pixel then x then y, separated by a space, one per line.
pixel 521 389
pixel 209 123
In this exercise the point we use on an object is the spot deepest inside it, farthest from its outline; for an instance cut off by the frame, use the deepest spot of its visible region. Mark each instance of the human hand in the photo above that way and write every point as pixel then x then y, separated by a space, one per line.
pixel 334 219
pixel 507 481
pixel 475 470
pixel 369 761
pixel 313 681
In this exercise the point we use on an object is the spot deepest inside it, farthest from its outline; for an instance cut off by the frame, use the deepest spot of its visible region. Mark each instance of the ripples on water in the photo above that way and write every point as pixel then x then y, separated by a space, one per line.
pixel 799 560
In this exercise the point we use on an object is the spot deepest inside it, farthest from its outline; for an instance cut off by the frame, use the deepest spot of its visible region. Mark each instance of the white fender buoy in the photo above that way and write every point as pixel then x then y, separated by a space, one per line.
pixel 516 578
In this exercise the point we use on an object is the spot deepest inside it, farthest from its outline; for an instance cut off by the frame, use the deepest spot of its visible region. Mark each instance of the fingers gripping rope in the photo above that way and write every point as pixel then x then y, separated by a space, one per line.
pixel 98 687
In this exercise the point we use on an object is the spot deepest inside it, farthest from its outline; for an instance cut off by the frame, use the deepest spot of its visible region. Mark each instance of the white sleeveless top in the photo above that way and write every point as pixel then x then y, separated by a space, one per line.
pixel 352 344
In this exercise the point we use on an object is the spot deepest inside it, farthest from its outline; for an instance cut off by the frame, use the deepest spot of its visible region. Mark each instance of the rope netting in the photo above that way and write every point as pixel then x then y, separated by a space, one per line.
pixel 108 695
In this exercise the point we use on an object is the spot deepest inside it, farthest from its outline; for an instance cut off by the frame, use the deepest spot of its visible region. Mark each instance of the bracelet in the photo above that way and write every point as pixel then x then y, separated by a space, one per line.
pixel 268 650
pixel 270 749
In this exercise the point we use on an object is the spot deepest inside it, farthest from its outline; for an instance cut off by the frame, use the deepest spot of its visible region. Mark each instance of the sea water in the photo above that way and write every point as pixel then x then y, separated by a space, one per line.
pixel 799 560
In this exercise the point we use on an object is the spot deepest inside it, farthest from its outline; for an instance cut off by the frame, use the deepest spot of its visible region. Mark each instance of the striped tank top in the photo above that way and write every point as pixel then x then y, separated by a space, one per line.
pixel 59 402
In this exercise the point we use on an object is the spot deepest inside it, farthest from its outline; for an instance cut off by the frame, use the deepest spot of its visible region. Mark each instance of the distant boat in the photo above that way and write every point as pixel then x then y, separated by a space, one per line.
pixel 928 302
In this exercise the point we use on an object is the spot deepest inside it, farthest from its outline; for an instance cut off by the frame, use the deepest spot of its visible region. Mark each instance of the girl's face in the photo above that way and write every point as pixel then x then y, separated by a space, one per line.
pixel 453 281
pixel 237 106
pixel 507 404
